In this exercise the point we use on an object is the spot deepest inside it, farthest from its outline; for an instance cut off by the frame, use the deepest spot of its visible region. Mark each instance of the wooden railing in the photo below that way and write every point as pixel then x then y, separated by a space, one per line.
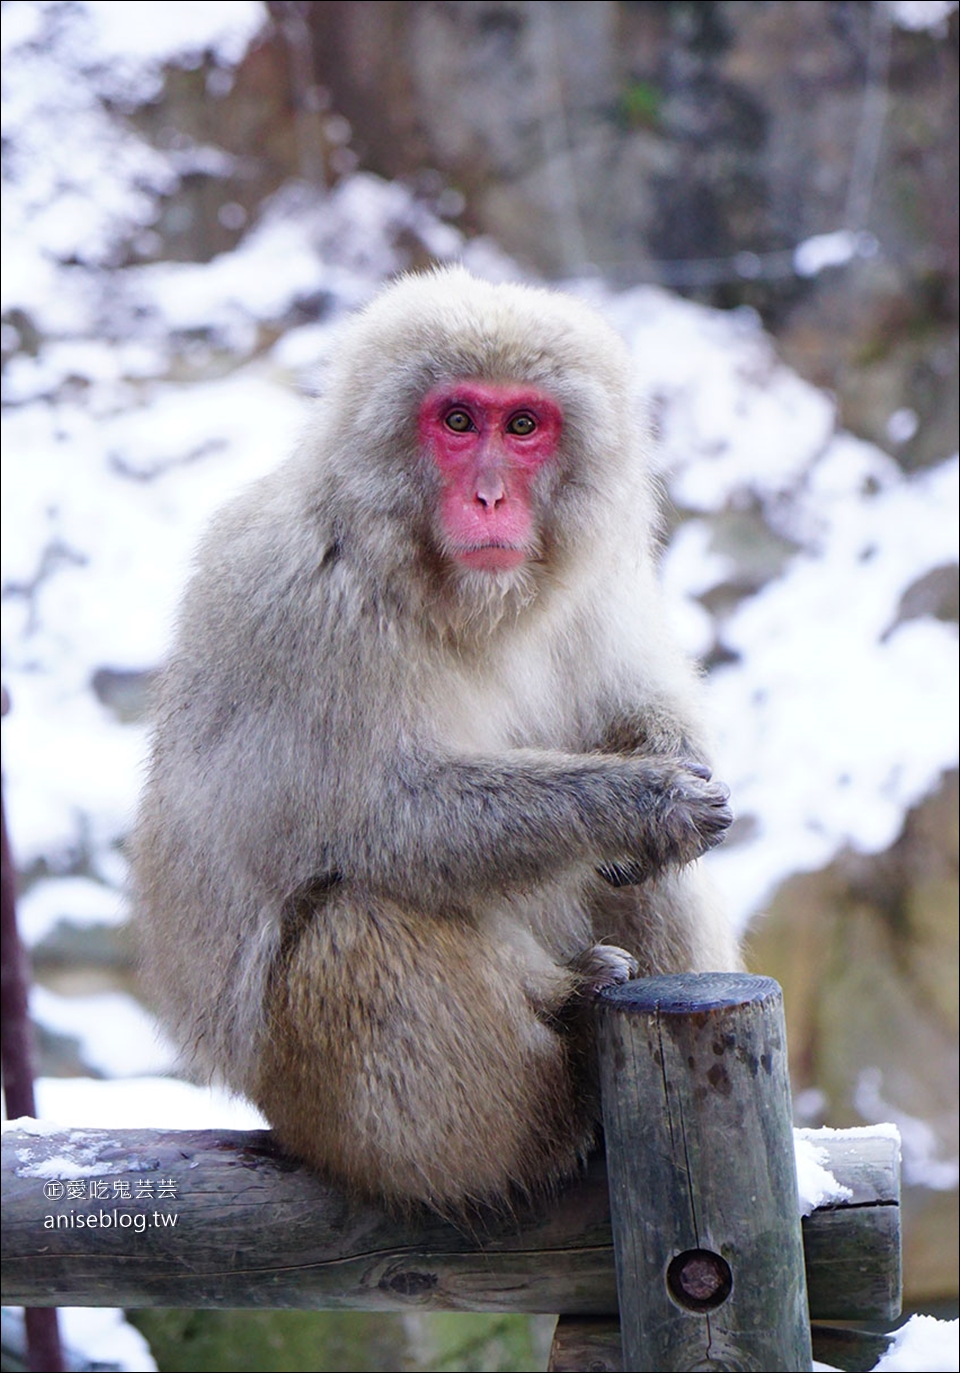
pixel 706 1245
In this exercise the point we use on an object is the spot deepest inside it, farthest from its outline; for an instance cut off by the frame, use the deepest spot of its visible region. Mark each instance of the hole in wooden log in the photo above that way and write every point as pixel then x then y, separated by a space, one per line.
pixel 699 1280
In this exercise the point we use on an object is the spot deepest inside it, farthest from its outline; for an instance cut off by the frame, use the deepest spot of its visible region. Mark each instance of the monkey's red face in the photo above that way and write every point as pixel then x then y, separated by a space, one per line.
pixel 488 441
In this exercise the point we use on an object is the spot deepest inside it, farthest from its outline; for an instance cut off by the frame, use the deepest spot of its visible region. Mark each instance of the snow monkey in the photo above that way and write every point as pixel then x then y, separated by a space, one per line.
pixel 428 769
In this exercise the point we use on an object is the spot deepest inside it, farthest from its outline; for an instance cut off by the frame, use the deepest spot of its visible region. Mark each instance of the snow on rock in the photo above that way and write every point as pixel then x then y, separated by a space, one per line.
pixel 922 14
pixel 106 1331
pixel 821 735
pixel 144 1103
pixel 154 32
pixel 831 250
pixel 818 728
pixel 79 900
pixel 116 1035
pixel 98 539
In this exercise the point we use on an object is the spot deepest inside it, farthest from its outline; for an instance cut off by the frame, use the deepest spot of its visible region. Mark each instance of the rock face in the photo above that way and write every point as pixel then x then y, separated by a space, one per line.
pixel 866 952
pixel 694 145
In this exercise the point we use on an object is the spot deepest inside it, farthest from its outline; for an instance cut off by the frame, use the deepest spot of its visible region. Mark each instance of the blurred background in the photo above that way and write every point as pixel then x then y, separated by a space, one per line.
pixel 763 199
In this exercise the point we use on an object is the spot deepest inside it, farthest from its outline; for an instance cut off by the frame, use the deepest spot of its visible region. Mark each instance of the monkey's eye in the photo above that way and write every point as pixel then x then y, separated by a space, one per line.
pixel 522 425
pixel 459 421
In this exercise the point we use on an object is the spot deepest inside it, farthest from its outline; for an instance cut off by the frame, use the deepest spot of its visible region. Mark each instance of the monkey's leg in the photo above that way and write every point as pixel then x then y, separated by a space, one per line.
pixel 674 923
pixel 602 965
pixel 419 1058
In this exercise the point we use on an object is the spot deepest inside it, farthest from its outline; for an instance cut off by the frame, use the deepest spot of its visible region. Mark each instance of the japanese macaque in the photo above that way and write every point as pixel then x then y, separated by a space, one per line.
pixel 428 769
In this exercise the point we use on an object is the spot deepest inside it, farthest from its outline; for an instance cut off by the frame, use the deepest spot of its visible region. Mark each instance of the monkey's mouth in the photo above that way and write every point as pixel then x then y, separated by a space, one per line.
pixel 491 557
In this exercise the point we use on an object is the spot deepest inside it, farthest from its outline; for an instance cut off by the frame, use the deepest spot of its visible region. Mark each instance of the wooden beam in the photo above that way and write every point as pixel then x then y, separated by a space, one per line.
pixel 256 1229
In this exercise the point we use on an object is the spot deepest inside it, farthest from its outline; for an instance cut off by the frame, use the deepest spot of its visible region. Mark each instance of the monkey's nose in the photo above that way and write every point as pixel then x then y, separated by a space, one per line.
pixel 490 491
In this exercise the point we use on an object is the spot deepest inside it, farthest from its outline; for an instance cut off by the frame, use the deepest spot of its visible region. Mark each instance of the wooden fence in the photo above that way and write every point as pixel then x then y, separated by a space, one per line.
pixel 685 1250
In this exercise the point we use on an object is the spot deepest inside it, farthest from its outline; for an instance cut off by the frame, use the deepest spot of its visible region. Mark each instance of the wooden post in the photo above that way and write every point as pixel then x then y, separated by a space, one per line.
pixel 703 1184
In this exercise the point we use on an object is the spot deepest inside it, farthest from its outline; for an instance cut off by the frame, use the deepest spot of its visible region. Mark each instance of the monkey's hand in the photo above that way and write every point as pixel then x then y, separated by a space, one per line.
pixel 603 965
pixel 697 814
pixel 689 814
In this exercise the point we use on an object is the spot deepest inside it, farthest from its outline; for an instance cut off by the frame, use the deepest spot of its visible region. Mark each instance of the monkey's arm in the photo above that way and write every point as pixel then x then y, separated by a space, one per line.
pixel 485 825
pixel 657 728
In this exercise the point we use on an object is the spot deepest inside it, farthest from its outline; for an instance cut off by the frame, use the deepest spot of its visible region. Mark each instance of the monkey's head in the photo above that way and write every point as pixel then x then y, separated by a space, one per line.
pixel 485 432
pixel 489 442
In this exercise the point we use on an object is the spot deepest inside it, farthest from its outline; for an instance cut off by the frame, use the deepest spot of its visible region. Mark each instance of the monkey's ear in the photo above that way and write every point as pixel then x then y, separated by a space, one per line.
pixel 623 874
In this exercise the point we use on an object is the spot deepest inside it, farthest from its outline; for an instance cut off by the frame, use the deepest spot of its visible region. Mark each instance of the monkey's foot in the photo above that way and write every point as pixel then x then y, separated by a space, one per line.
pixel 603 965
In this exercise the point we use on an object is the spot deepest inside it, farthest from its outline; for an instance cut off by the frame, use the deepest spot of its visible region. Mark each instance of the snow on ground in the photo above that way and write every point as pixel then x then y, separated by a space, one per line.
pixel 921 1149
pixel 923 1345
